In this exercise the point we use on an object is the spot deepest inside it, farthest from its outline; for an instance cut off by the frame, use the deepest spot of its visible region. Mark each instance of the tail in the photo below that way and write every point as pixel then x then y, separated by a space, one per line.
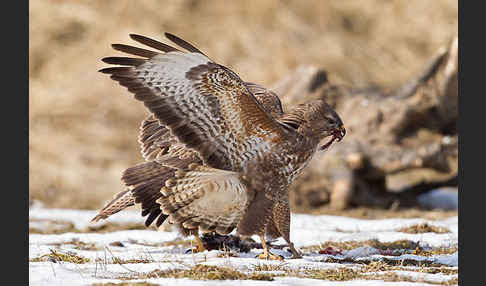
pixel 144 182
pixel 121 201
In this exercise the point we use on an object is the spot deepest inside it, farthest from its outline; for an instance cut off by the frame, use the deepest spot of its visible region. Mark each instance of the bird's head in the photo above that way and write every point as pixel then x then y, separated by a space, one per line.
pixel 325 122
pixel 318 120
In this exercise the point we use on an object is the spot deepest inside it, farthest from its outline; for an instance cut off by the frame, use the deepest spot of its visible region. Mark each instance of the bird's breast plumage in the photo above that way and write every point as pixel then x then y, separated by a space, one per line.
pixel 281 164
pixel 293 164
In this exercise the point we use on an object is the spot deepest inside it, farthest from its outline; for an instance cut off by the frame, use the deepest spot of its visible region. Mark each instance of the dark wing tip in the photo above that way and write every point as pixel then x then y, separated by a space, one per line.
pixel 134 50
pixel 105 60
pixel 152 43
pixel 124 61
pixel 135 36
pixel 170 36
pixel 116 70
pixel 182 43
pixel 138 38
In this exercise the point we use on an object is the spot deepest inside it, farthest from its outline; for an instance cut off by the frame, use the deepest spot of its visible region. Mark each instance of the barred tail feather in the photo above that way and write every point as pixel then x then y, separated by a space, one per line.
pixel 121 201
pixel 145 181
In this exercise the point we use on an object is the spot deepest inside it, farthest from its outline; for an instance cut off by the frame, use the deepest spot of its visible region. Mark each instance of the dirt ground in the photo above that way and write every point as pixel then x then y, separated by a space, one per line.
pixel 83 126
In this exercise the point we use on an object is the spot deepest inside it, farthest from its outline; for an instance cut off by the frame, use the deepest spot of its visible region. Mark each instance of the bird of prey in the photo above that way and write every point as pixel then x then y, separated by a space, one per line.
pixel 220 152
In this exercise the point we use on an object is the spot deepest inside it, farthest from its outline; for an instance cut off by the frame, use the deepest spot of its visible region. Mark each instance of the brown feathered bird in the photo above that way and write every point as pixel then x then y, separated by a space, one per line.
pixel 220 152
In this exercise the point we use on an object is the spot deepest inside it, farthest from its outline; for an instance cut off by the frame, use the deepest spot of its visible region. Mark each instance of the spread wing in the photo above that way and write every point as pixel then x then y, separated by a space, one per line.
pixel 164 154
pixel 156 140
pixel 204 104
pixel 157 144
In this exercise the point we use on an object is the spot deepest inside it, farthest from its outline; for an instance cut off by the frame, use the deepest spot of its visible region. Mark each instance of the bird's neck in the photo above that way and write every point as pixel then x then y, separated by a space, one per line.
pixel 297 120
pixel 305 138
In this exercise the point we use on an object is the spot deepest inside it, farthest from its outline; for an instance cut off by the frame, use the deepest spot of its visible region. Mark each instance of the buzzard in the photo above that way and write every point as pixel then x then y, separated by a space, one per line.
pixel 220 152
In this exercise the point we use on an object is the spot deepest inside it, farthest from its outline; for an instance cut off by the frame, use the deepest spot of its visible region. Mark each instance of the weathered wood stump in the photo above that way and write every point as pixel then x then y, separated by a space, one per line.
pixel 399 143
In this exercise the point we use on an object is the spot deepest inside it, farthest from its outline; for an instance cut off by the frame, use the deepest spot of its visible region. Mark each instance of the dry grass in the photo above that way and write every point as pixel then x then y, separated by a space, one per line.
pixel 394 248
pixel 57 255
pixel 372 271
pixel 125 284
pixel 339 274
pixel 203 272
pixel 436 251
pixel 375 270
pixel 424 228
pixel 83 126
pixel 350 269
pixel 348 245
pixel 378 213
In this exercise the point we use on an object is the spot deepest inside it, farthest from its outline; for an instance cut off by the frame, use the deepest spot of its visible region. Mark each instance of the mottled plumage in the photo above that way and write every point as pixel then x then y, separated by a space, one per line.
pixel 220 152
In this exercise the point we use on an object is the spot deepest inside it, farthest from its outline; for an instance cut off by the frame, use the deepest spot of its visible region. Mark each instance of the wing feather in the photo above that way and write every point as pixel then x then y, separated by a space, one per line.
pixel 183 44
pixel 205 105
pixel 153 43
pixel 124 61
pixel 204 197
pixel 200 111
pixel 156 140
pixel 134 50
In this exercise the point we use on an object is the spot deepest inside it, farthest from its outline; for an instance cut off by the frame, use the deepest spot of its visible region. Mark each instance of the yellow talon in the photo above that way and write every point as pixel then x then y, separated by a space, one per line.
pixel 270 256
pixel 199 244
pixel 266 252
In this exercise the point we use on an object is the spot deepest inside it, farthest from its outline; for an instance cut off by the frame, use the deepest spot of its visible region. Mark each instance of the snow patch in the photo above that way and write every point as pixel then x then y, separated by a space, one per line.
pixel 146 244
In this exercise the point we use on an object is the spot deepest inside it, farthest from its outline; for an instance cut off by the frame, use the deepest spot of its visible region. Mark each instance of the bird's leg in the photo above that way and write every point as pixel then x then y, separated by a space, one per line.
pixel 266 252
pixel 199 244
pixel 295 253
pixel 281 217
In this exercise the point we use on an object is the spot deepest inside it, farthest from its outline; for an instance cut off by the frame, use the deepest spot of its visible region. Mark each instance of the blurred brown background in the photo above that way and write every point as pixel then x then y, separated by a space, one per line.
pixel 84 126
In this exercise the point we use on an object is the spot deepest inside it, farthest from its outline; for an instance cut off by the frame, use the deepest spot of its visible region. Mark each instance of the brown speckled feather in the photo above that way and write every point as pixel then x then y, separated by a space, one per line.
pixel 230 125
pixel 220 152
pixel 155 142
pixel 256 217
pixel 121 201
pixel 206 198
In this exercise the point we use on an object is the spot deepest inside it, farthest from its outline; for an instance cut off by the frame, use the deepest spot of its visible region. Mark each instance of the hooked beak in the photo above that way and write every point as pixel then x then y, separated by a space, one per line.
pixel 339 133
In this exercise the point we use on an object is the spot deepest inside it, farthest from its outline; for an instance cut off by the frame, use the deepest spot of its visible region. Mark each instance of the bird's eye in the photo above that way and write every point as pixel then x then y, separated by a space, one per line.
pixel 331 121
